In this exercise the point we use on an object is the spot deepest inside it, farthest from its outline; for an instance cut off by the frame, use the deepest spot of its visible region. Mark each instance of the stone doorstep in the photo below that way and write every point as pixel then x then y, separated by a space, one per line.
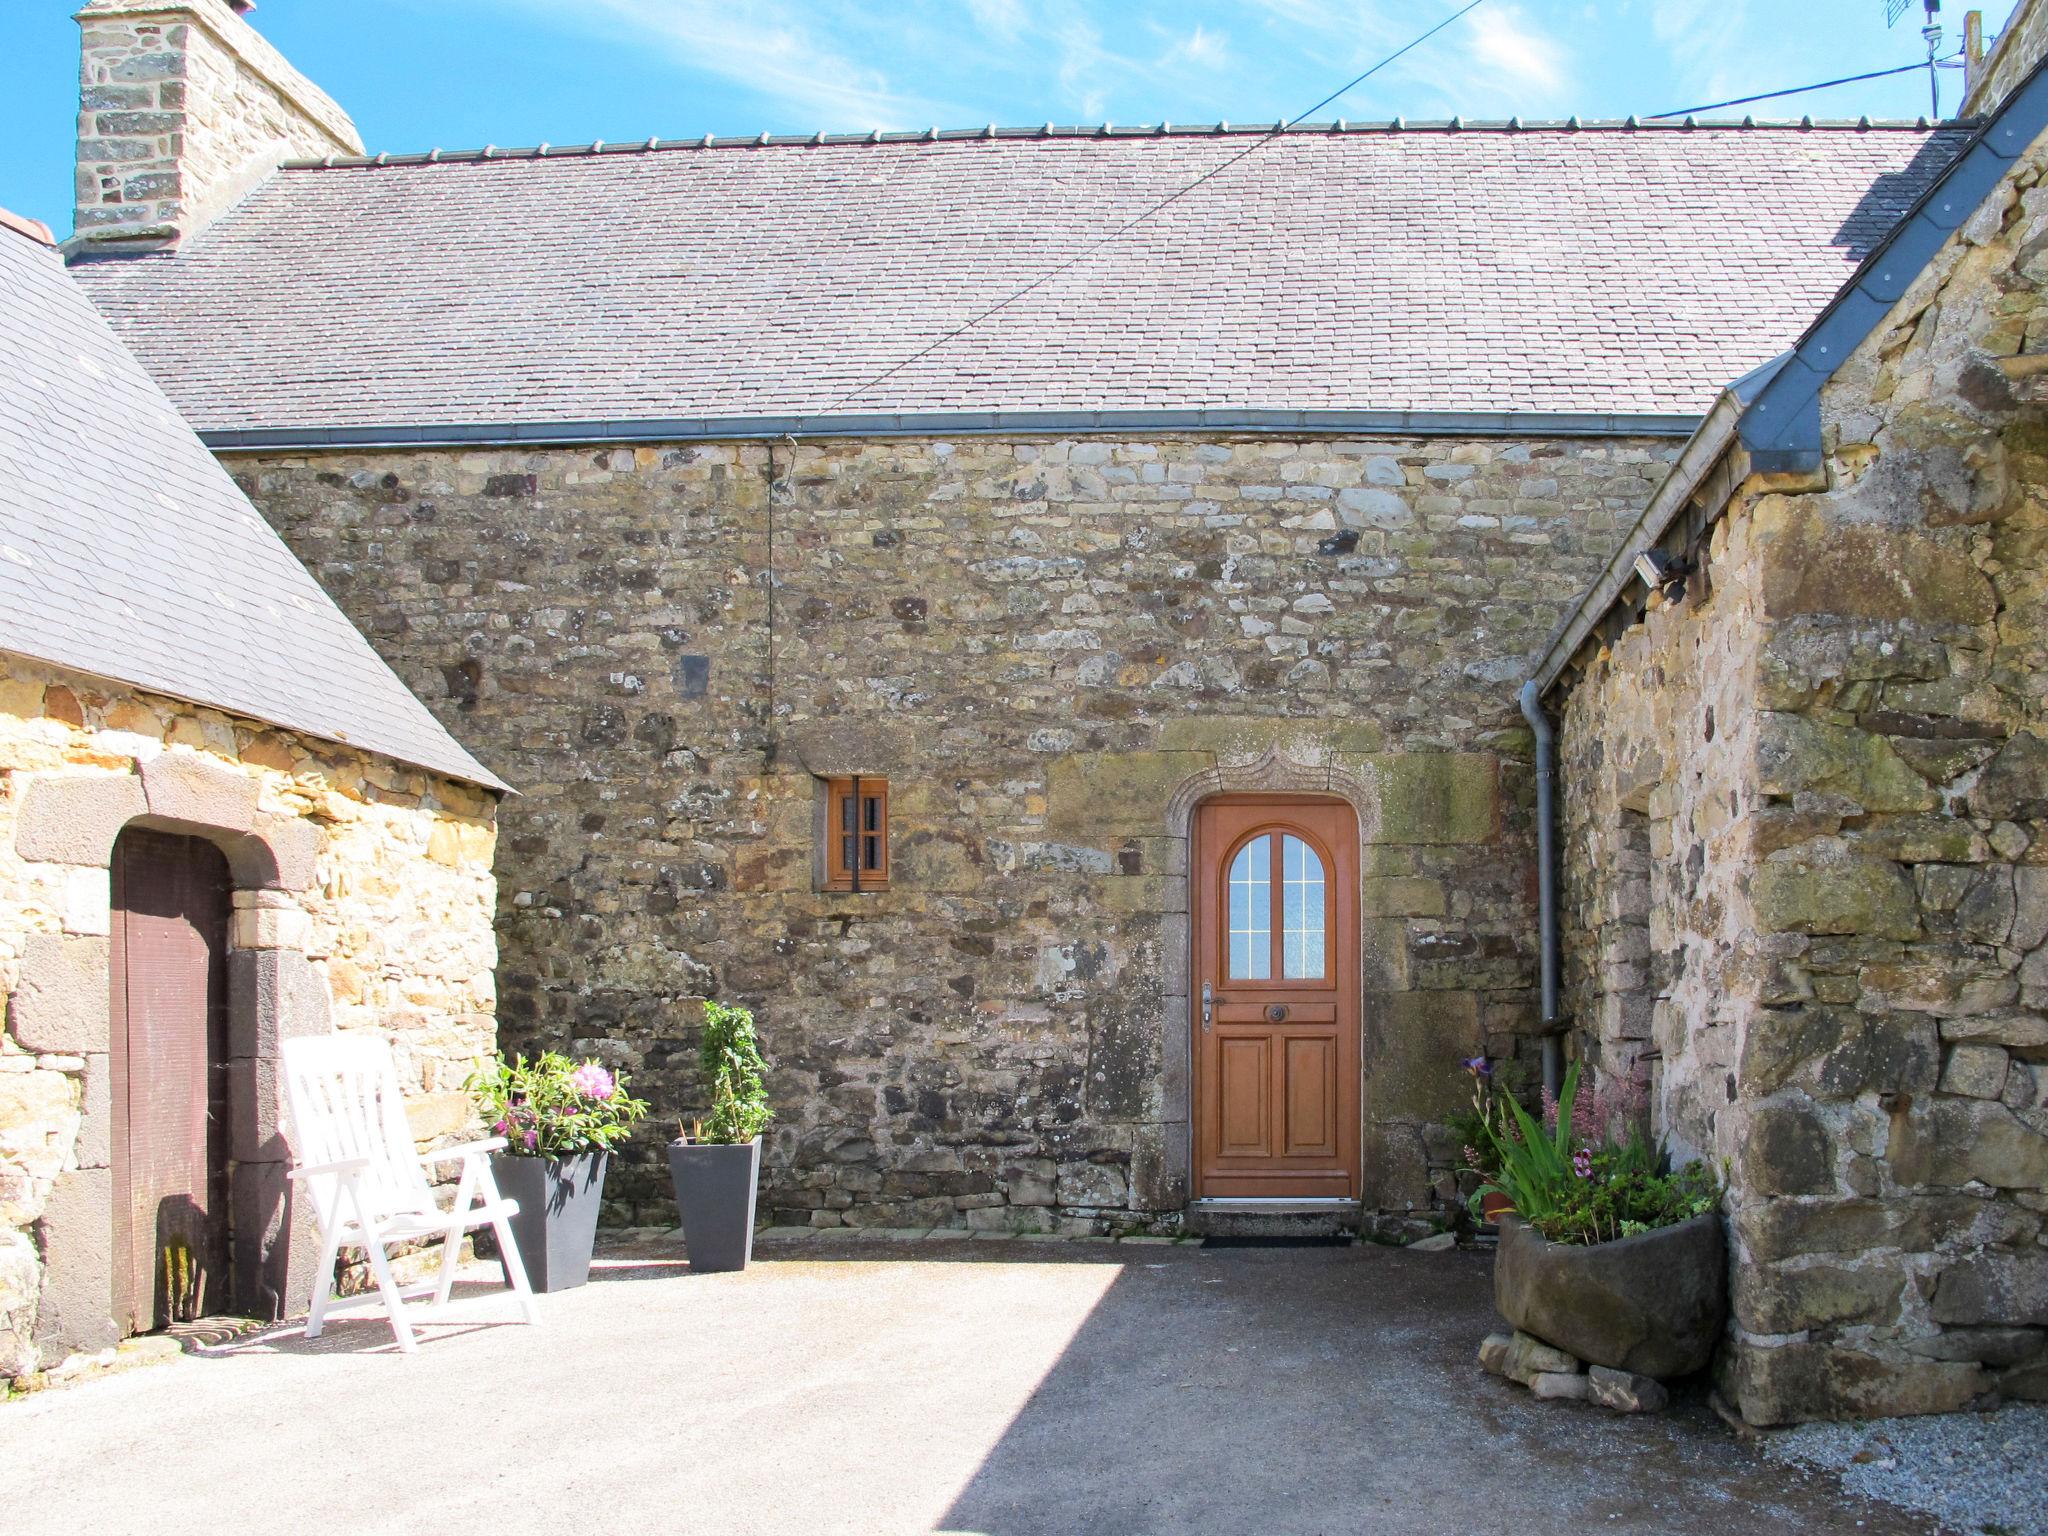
pixel 1272 1218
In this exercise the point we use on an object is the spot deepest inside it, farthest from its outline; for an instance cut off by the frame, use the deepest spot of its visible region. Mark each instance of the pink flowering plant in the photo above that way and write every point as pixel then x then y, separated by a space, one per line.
pixel 554 1107
pixel 1588 1172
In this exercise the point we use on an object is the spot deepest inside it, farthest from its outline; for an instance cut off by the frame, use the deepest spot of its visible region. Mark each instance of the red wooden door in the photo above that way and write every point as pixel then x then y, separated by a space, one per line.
pixel 169 1072
pixel 1276 998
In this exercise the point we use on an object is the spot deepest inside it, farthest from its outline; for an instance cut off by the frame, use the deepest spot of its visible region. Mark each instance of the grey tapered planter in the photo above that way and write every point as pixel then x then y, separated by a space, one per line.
pixel 557 1221
pixel 715 1184
pixel 1652 1304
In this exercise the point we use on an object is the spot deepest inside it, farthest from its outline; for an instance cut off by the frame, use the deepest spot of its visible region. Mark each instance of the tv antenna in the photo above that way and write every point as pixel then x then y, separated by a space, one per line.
pixel 1931 32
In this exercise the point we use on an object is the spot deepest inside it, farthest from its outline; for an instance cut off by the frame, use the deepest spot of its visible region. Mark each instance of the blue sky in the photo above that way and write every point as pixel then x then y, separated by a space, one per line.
pixel 462 73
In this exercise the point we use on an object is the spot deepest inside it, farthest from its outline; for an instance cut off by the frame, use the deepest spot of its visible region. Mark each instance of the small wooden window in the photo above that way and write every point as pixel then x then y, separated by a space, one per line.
pixel 857 834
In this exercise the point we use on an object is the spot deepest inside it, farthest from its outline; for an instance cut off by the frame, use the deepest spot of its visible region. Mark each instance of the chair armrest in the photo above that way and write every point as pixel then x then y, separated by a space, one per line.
pixel 339 1165
pixel 453 1154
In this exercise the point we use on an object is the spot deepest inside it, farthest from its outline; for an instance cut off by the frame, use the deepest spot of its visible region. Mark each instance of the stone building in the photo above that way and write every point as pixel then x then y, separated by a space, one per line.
pixel 1805 782
pixel 1089 736
pixel 223 822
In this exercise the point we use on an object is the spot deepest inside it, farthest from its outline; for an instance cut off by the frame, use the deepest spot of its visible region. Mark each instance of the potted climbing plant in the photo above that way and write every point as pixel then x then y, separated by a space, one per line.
pixel 1609 1252
pixel 716 1163
pixel 560 1120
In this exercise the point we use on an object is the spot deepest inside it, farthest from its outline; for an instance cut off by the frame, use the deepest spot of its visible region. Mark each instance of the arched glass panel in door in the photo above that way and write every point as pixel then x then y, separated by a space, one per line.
pixel 1289 879
pixel 1301 934
pixel 1251 911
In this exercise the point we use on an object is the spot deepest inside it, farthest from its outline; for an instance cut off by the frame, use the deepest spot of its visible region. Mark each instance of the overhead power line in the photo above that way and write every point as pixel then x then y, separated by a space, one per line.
pixel 1136 219
pixel 1798 90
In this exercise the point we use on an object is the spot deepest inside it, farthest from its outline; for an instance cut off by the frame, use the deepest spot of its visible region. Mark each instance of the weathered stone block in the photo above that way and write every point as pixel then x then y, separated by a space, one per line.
pixel 1435 797
pixel 1824 888
pixel 2009 1289
pixel 274 995
pixel 62 1002
pixel 1975 1071
pixel 1796 754
pixel 77 1238
pixel 1528 1357
pixel 1785 1150
pixel 2017 1029
pixel 2014 784
pixel 1787 1383
pixel 1091 796
pixel 1838 1053
pixel 1955 1141
pixel 1813 564
pixel 199 791
pixel 1779 1298
pixel 74 819
pixel 1625 1391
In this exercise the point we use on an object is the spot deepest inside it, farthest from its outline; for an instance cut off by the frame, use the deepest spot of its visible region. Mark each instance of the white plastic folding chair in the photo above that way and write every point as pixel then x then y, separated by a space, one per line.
pixel 354 1152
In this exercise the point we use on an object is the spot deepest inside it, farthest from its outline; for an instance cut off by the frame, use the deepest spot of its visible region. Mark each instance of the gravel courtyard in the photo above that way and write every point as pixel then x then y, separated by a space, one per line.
pixel 878 1385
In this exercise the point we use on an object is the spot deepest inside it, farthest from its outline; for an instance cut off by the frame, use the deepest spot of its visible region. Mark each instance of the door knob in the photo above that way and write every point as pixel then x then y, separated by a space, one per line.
pixel 1277 1013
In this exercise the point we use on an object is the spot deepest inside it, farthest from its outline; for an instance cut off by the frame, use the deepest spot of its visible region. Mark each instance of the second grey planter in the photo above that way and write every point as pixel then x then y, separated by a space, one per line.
pixel 556 1225
pixel 715 1185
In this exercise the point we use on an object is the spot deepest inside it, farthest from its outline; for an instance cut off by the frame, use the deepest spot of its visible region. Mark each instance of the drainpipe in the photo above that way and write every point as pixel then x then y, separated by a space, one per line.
pixel 1546 878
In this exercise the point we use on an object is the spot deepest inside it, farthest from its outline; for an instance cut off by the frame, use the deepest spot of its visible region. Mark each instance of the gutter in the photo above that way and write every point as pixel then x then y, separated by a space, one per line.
pixel 879 424
pixel 1546 882
pixel 1705 451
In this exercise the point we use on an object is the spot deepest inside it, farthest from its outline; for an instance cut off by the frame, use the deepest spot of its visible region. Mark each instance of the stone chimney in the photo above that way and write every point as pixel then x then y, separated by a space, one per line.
pixel 2018 49
pixel 183 107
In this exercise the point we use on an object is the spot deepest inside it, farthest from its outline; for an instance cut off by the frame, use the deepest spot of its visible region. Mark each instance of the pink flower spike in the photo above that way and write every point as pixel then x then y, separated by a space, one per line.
pixel 592 1081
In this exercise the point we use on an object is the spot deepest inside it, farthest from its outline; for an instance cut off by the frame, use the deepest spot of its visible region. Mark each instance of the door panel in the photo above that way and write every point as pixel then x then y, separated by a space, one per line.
pixel 171 898
pixel 1277 1044
pixel 1246 1102
pixel 1309 1090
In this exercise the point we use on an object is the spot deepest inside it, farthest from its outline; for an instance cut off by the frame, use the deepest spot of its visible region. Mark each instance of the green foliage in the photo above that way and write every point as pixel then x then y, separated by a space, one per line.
pixel 731 1057
pixel 1534 1164
pixel 1627 1192
pixel 1605 1181
pixel 555 1107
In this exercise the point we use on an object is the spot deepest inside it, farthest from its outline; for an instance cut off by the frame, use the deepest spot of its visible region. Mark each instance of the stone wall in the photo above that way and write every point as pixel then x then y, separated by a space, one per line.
pixel 1850 740
pixel 1052 648
pixel 363 901
pixel 184 107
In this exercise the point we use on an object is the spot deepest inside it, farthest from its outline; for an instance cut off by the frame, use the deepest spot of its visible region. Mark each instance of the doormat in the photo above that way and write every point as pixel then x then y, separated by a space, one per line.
pixel 1333 1240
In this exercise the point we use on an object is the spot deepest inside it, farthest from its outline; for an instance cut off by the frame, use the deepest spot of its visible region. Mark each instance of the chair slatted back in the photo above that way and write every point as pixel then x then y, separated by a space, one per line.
pixel 345 1102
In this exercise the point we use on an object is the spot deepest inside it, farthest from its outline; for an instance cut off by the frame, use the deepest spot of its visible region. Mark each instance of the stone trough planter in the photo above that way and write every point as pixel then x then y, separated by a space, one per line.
pixel 1652 1305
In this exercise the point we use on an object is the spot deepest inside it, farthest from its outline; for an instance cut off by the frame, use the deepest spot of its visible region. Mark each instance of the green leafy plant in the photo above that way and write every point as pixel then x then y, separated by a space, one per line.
pixel 731 1057
pixel 1588 1172
pixel 555 1107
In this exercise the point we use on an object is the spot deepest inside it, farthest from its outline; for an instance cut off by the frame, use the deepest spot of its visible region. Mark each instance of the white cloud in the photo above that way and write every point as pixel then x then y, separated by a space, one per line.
pixel 1201 47
pixel 1503 43
pixel 767 48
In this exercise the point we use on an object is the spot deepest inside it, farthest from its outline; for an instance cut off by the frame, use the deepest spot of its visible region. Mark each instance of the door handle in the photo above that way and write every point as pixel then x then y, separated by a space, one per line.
pixel 1208 1006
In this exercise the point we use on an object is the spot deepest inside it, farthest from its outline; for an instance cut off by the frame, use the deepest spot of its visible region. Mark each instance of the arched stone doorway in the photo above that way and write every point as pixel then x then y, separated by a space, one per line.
pixel 168 1055
pixel 65 1005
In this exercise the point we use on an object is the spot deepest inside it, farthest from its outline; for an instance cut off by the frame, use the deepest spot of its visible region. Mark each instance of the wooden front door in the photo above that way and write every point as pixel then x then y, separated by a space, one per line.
pixel 1276 998
pixel 171 898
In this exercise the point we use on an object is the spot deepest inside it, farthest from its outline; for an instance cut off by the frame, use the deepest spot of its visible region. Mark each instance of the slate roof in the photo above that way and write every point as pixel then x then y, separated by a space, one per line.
pixel 1596 268
pixel 127 552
